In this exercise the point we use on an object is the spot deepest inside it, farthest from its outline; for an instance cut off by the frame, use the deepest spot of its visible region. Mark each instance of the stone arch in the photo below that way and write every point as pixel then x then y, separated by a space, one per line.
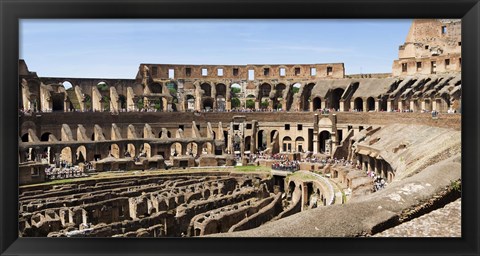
pixel 156 88
pixel 287 144
pixel 264 91
pixel 336 97
pixel 25 137
pixel 81 154
pixel 207 148
pixel 370 104
pixel 192 149
pixel 190 102
pixel 66 155
pixel 317 103
pixel 207 88
pixel 146 149
pixel 306 96
pixel 45 136
pixel 358 104
pixel 176 149
pixel 208 104
pixel 114 150
pixel 300 144
pixel 130 148
pixel 220 90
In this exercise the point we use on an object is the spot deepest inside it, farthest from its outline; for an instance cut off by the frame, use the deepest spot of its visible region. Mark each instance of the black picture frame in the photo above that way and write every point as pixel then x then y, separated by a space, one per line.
pixel 11 11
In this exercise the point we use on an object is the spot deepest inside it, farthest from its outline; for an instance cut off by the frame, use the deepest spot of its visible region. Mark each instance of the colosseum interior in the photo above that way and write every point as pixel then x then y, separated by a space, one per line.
pixel 244 150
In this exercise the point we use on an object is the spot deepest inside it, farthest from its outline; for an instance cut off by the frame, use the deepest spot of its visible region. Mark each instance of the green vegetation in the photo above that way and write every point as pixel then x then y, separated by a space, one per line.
pixel 251 168
pixel 295 89
pixel 235 103
pixel 456 185
pixel 140 104
pixel 264 104
pixel 102 86
pixel 250 104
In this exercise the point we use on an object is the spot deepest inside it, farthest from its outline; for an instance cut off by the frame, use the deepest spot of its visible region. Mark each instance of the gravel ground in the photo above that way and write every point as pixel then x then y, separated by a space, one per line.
pixel 443 222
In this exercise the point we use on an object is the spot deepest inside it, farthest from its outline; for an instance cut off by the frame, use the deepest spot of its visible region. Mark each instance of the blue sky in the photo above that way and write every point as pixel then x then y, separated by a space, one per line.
pixel 115 48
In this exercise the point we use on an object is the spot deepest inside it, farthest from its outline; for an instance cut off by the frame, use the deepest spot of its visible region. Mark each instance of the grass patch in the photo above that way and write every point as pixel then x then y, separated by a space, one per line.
pixel 251 168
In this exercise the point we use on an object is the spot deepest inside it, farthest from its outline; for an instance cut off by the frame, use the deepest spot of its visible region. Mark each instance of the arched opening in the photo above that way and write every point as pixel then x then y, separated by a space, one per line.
pixel 317 103
pixel 335 98
pixel 146 150
pixel 67 85
pixel 250 102
pixel 306 97
pixel 370 104
pixel 248 141
pixel 114 151
pixel 207 88
pixel 287 144
pixel 192 149
pixel 123 101
pixel 190 101
pixel 66 155
pixel 294 89
pixel 236 142
pixel 45 136
pixel 261 140
pixel 81 154
pixel 277 100
pixel 156 88
pixel 176 149
pixel 208 104
pixel 299 144
pixel 25 137
pixel 358 104
pixel 235 94
pixel 264 92
pixel 58 102
pixel 324 140
pixel 221 104
pixel 220 90
pixel 130 149
pixel 207 148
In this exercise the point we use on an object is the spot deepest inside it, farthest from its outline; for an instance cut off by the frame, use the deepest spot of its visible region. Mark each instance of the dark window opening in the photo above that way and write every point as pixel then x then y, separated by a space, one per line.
pixel 198 126
pixel 266 71
pixel 419 66
pixel 235 71
pixel 188 71
pixel 181 127
pixel 297 71
pixel 426 47
pixel 447 62
pixel 404 67
pixel 236 127
pixel 287 126
pixel 299 127
pixel 340 135
pixel 459 43
pixel 360 128
pixel 434 67
pixel 350 127
pixel 329 71
pixel 444 29
pixel 154 71
pixel 249 126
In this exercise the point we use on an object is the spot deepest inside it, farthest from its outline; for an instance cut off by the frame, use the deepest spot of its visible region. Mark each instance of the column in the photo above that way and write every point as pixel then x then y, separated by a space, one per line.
pixel 257 104
pixel 400 105
pixel 342 105
pixel 352 105
pixel 412 106
pixel 365 106
pixel 434 104
pixel 323 104
pixel 310 105
pixel 389 105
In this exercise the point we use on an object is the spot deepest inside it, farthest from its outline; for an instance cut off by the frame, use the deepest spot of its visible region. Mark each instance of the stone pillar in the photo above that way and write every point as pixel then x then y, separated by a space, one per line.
pixel 323 104
pixel 434 105
pixel 412 106
pixel 270 103
pixel 364 168
pixel 377 105
pixel 257 104
pixel 164 104
pixel 310 105
pixel 352 105
pixel 365 106
pixel 423 104
pixel 214 96
pixel 400 105
pixel 342 105
pixel 389 105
